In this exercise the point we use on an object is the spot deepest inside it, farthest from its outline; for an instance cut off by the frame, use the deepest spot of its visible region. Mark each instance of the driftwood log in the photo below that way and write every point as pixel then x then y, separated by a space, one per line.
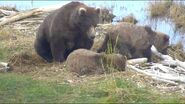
pixel 4 67
pixel 25 14
pixel 137 61
pixel 168 60
pixel 7 12
pixel 162 71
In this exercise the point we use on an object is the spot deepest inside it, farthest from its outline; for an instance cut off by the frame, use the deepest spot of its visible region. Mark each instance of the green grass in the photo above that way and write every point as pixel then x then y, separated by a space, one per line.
pixel 6 53
pixel 18 89
pixel 3 54
pixel 23 89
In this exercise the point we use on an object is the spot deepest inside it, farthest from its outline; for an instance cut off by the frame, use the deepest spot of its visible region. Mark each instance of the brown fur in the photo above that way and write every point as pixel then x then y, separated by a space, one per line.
pixel 161 42
pixel 86 62
pixel 130 40
pixel 65 30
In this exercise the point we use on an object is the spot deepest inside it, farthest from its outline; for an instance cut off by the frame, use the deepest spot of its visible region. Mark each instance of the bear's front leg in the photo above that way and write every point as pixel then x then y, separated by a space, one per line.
pixel 148 54
pixel 58 51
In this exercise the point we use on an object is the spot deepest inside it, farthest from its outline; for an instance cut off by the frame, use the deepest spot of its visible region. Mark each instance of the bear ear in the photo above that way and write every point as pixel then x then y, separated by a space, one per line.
pixel 98 10
pixel 82 11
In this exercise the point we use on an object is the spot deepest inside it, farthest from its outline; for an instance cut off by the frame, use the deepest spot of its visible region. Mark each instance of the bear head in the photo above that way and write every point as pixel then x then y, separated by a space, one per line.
pixel 161 42
pixel 85 19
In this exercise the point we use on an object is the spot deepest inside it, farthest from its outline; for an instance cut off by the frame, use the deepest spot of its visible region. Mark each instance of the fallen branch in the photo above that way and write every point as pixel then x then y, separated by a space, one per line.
pixel 181 64
pixel 159 75
pixel 167 60
pixel 19 16
pixel 164 57
pixel 4 64
pixel 7 12
pixel 161 67
pixel 26 14
pixel 164 80
pixel 137 61
pixel 4 67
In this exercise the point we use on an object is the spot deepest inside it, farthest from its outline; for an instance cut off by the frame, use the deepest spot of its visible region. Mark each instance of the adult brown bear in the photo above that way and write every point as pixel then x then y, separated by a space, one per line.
pixel 66 29
pixel 134 41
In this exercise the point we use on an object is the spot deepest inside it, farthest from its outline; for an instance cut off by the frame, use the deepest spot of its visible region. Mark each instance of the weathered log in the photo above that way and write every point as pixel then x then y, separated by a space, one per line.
pixel 180 63
pixel 164 80
pixel 4 64
pixel 168 63
pixel 4 67
pixel 151 75
pixel 26 14
pixel 160 75
pixel 137 61
pixel 164 57
pixel 7 12
pixel 167 60
pixel 173 63
pixel 19 16
pixel 161 67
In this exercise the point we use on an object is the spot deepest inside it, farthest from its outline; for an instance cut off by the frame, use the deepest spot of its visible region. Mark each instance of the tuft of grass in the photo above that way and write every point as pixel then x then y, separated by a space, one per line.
pixel 3 54
pixel 13 41
pixel 177 51
pixel 159 9
pixel 111 49
pixel 112 46
pixel 130 19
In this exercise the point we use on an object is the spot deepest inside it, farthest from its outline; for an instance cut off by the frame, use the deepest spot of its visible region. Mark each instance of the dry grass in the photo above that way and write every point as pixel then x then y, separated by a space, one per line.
pixel 158 9
pixel 177 52
pixel 170 11
pixel 130 19
pixel 177 15
pixel 12 41
pixel 21 55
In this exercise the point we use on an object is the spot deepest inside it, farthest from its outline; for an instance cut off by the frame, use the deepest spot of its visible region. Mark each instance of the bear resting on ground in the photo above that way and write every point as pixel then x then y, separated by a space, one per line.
pixel 66 29
pixel 86 62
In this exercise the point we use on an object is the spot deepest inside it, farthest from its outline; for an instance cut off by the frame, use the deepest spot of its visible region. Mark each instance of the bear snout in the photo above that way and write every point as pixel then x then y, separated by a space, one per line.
pixel 91 33
pixel 92 37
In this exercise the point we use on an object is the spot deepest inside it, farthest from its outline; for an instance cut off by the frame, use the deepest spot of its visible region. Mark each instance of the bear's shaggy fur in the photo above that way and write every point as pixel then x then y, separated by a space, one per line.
pixel 161 42
pixel 86 62
pixel 66 29
pixel 133 41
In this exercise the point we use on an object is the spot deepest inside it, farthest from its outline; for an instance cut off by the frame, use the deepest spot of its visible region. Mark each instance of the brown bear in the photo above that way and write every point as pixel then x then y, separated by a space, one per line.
pixel 161 42
pixel 132 40
pixel 66 29
pixel 86 62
